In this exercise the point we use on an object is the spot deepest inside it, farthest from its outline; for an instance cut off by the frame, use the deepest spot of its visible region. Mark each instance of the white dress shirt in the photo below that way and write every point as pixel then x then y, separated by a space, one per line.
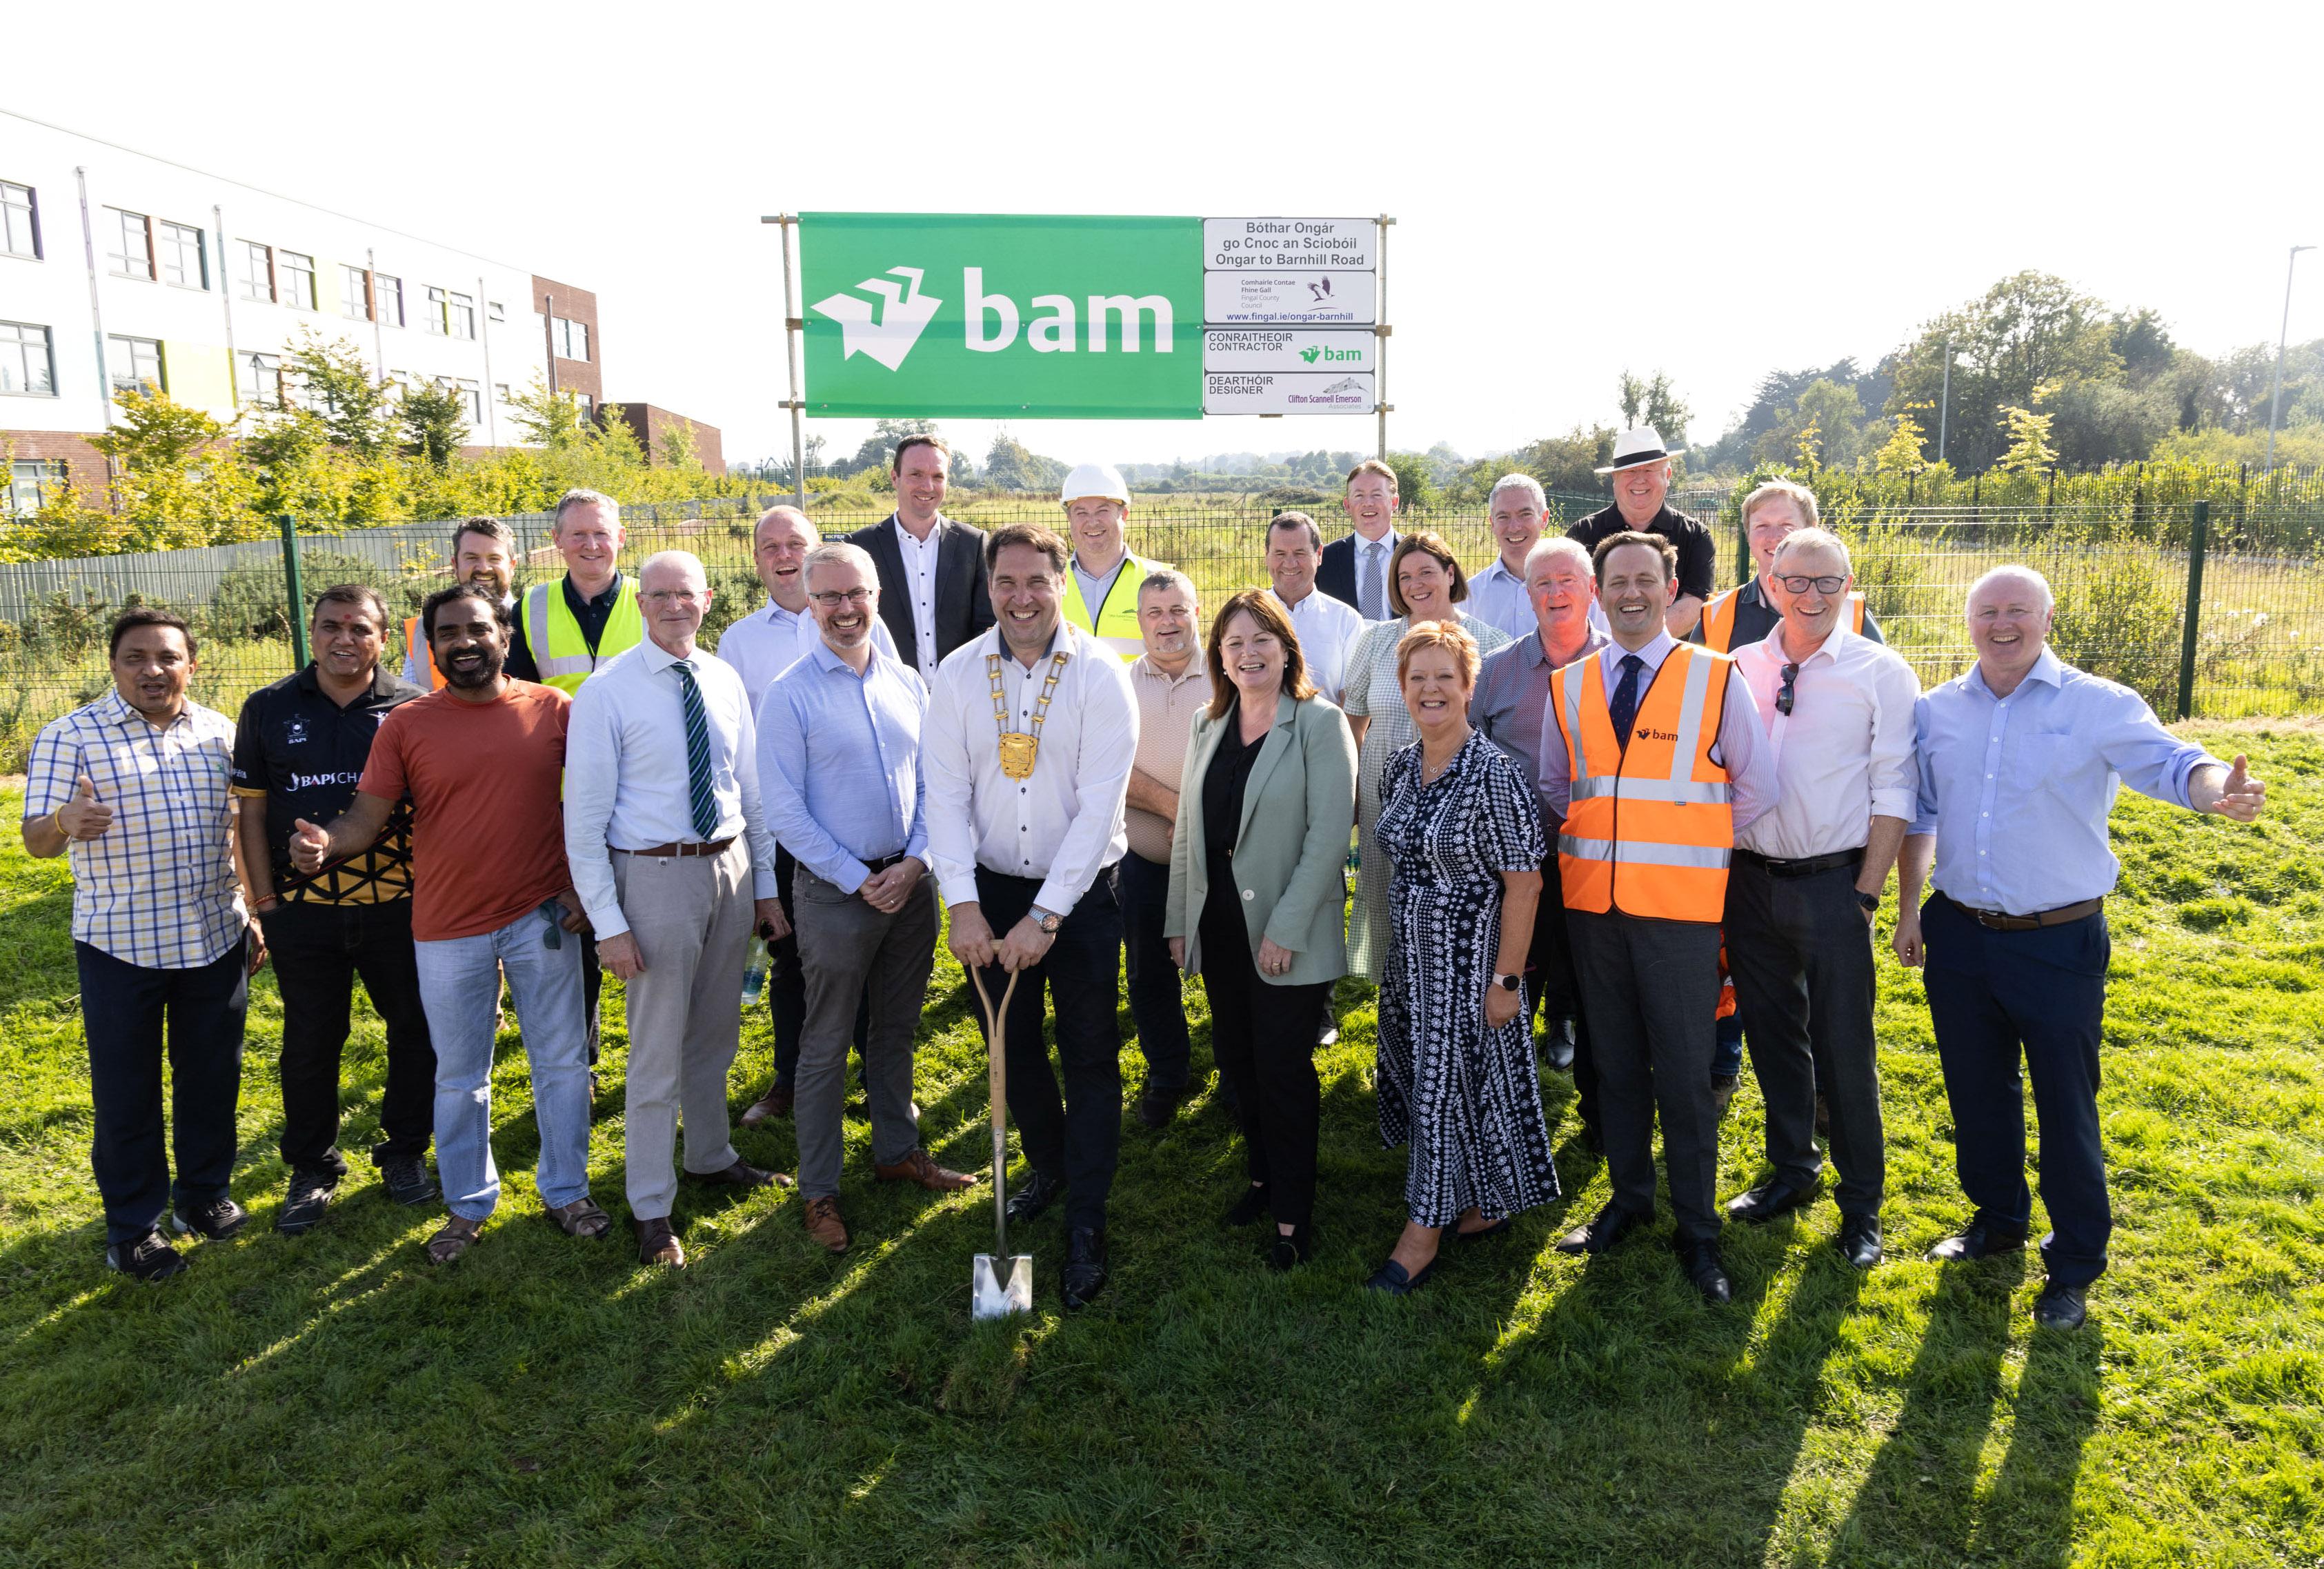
pixel 1498 596
pixel 1065 824
pixel 920 576
pixel 771 640
pixel 625 771
pixel 1742 748
pixel 1844 754
pixel 1327 629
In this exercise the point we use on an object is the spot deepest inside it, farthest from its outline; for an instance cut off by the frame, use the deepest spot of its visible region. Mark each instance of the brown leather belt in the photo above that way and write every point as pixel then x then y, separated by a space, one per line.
pixel 664 851
pixel 1994 920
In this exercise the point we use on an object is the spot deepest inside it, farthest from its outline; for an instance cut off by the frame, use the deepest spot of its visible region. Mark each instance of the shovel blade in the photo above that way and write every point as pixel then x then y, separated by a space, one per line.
pixel 999 1286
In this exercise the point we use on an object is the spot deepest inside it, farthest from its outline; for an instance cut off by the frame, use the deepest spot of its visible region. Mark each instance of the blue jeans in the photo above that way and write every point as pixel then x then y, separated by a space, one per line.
pixel 458 988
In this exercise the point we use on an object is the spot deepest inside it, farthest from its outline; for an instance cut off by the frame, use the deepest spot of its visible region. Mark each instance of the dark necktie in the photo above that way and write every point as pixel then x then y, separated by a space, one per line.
pixel 705 800
pixel 1371 595
pixel 1624 708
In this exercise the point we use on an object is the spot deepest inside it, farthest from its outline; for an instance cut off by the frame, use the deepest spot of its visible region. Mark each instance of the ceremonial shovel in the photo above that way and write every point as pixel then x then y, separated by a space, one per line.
pixel 996 1293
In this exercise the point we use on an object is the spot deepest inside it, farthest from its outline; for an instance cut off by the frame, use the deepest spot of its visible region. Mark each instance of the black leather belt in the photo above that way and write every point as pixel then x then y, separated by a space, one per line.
pixel 1807 867
pixel 664 851
pixel 882 863
pixel 1996 921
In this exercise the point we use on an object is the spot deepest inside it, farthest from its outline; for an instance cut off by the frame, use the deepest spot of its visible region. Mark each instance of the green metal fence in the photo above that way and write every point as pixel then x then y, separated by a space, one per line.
pixel 2222 615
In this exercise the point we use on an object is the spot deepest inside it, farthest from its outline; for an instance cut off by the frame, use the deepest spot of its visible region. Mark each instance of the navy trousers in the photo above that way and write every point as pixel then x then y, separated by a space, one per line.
pixel 1994 997
pixel 1156 1005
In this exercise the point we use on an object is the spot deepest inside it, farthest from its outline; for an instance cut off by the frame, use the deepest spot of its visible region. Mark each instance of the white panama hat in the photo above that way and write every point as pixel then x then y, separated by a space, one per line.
pixel 1636 448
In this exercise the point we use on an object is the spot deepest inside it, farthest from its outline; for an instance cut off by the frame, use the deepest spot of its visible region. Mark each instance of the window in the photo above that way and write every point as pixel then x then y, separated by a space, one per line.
pixel 132 254
pixel 450 315
pixel 570 339
pixel 495 310
pixel 435 321
pixel 295 280
pixel 258 379
pixel 257 270
pixel 355 293
pixel 387 299
pixel 32 481
pixel 134 362
pixel 185 254
pixel 586 405
pixel 26 366
pixel 501 393
pixel 19 221
pixel 472 399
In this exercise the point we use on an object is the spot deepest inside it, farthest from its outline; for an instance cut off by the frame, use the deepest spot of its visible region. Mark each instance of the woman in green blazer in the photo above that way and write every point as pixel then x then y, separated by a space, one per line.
pixel 1257 888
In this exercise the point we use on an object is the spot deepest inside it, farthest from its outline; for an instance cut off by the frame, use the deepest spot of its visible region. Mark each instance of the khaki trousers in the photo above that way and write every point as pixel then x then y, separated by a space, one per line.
pixel 692 917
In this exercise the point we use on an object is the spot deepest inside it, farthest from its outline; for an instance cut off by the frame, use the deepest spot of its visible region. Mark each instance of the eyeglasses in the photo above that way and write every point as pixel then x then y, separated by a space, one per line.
pixel 1784 694
pixel 831 600
pixel 1822 586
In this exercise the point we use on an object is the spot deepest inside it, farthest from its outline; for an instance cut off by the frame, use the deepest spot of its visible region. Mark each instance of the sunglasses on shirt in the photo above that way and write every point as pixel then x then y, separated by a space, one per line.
pixel 1786 695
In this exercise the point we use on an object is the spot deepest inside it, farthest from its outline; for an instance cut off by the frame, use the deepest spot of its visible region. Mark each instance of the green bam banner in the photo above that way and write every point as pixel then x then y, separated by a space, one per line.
pixel 992 316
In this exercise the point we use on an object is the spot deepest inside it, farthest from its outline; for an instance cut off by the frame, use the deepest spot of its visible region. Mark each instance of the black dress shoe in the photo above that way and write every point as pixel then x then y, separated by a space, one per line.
pixel 1982 1240
pixel 1032 1201
pixel 213 1219
pixel 1391 1280
pixel 1608 1226
pixel 1085 1275
pixel 1769 1199
pixel 1859 1241
pixel 309 1196
pixel 2060 1307
pixel 1704 1271
pixel 1289 1252
pixel 1156 1107
pixel 1557 1046
pixel 1593 1138
pixel 1249 1207
pixel 147 1258
pixel 407 1181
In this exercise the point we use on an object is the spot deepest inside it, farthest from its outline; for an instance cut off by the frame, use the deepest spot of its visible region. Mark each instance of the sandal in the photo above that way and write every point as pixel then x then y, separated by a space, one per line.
pixel 582 1218
pixel 458 1237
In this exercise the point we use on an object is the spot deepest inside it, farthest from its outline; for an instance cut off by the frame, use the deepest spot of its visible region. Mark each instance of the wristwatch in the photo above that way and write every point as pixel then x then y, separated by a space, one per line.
pixel 1507 983
pixel 1044 920
pixel 1870 901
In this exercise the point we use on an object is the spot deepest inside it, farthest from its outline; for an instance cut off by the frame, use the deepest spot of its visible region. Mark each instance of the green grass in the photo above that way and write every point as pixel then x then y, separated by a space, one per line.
pixel 335 1399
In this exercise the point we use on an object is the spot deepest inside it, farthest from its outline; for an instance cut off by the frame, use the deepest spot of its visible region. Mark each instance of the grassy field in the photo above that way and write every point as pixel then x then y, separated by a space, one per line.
pixel 336 1399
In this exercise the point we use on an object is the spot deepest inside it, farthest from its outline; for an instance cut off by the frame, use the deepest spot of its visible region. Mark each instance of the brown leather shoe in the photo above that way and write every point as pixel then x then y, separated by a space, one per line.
pixel 775 1102
pixel 658 1244
pixel 917 1168
pixel 741 1174
pixel 824 1224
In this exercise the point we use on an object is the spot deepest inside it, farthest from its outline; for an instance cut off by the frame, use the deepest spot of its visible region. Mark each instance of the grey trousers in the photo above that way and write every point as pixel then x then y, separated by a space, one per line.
pixel 849 952
pixel 692 917
pixel 1650 991
pixel 1800 952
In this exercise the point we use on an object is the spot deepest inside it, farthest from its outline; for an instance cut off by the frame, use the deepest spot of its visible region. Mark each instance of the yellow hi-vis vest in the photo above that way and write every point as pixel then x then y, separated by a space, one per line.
pixel 1115 625
pixel 1718 619
pixel 422 656
pixel 1649 829
pixel 553 633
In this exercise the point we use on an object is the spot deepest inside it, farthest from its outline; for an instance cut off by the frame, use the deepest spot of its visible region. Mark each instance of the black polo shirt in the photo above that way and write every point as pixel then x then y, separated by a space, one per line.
pixel 591 613
pixel 1754 618
pixel 1698 553
pixel 303 754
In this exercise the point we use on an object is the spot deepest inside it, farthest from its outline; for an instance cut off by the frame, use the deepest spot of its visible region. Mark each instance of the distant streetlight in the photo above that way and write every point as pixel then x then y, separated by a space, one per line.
pixel 2276 393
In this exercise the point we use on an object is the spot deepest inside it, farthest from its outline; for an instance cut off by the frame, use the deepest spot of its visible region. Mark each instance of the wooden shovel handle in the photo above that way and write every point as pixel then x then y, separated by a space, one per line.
pixel 996 1036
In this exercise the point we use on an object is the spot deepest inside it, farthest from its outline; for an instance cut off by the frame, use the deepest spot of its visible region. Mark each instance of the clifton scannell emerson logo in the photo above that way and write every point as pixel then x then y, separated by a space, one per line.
pixel 904 315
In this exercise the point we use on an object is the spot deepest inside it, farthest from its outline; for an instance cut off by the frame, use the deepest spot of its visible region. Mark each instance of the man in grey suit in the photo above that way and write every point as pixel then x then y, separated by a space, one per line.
pixel 932 592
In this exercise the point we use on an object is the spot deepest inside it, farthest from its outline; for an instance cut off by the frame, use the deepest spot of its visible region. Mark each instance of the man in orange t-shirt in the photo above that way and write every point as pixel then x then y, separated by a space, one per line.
pixel 482 760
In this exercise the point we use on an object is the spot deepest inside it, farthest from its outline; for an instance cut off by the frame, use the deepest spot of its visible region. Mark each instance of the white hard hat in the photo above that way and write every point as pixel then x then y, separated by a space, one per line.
pixel 1094 479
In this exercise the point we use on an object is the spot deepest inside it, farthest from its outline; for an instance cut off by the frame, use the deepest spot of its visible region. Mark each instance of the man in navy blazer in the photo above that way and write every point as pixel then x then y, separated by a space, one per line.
pixel 1354 567
pixel 932 594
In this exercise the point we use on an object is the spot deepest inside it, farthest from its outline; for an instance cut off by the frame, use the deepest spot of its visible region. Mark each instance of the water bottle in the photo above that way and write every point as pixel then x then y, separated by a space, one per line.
pixel 754 975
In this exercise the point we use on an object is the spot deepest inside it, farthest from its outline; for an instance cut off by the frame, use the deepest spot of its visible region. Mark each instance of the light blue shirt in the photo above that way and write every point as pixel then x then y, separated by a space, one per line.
pixel 2018 789
pixel 839 764
pixel 1498 595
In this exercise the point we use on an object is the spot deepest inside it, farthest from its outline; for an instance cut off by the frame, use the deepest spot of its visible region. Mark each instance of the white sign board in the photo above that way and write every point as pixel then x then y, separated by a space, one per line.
pixel 1241 351
pixel 1280 244
pixel 1316 297
pixel 1301 392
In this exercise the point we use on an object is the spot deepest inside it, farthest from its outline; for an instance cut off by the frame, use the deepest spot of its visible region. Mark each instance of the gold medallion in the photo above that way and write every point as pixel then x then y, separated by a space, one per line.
pixel 1016 755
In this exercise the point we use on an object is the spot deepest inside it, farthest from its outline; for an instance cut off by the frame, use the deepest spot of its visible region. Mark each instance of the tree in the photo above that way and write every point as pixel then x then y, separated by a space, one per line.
pixel 1900 452
pixel 1822 428
pixel 2028 330
pixel 2029 452
pixel 1009 466
pixel 878 448
pixel 435 421
pixel 1415 486
pixel 156 433
pixel 1653 403
pixel 358 414
pixel 678 446
pixel 547 418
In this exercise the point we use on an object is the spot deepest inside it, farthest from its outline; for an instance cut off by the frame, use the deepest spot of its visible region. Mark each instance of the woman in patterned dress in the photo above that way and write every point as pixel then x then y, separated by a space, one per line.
pixel 1460 827
pixel 1424 583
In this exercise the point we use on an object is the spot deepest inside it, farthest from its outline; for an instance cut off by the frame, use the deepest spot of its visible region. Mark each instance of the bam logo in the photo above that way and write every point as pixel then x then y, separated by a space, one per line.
pixel 1328 354
pixel 904 316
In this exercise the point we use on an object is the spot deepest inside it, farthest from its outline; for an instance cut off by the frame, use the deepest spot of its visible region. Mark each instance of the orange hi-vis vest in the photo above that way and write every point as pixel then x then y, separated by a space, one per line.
pixel 423 656
pixel 1649 829
pixel 1718 619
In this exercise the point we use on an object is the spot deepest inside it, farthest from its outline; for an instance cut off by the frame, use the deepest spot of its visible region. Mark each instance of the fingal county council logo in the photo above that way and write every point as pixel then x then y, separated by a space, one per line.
pixel 904 315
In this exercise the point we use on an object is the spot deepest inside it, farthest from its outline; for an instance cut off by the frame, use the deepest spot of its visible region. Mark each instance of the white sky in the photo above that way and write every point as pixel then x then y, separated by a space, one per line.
pixel 1710 191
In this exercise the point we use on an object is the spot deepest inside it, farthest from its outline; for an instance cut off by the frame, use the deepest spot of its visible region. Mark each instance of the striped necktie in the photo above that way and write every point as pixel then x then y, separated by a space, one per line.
pixel 705 800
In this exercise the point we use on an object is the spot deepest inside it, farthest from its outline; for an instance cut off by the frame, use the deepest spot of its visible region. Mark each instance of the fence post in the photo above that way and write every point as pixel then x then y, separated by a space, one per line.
pixel 297 590
pixel 2194 609
pixel 1742 547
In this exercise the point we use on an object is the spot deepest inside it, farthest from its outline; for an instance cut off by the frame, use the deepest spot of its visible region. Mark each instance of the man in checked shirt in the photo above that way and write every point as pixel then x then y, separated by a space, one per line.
pixel 135 788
